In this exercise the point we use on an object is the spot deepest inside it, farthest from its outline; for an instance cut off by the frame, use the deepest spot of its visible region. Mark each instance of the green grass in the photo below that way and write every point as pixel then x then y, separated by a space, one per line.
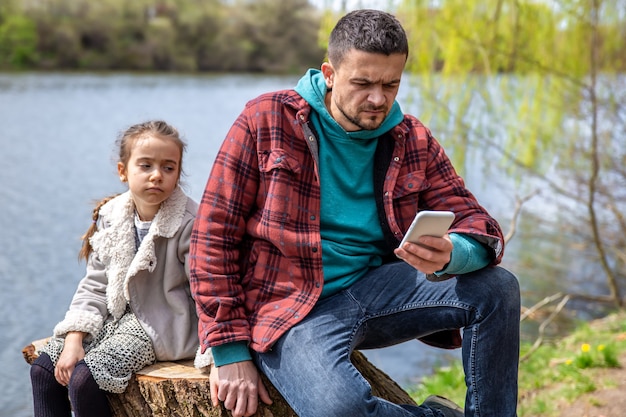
pixel 557 372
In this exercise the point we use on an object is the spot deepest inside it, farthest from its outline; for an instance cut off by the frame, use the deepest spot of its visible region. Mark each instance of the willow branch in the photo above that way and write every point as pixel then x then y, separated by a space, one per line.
pixel 519 202
pixel 542 328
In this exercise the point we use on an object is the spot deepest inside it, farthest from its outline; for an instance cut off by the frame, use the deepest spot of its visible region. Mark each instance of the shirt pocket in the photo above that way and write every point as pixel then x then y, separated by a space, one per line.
pixel 279 174
pixel 409 188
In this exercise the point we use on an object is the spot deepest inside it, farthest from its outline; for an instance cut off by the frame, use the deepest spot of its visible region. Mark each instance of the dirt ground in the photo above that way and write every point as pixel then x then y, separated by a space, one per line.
pixel 604 402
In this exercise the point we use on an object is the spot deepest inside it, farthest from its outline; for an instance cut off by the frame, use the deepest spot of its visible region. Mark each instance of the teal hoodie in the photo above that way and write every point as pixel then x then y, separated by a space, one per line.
pixel 352 239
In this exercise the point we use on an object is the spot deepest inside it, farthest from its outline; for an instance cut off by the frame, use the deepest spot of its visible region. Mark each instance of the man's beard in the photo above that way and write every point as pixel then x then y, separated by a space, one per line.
pixel 357 122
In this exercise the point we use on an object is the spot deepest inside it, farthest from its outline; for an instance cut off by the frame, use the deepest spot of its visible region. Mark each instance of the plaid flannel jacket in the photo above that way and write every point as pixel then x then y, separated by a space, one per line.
pixel 256 261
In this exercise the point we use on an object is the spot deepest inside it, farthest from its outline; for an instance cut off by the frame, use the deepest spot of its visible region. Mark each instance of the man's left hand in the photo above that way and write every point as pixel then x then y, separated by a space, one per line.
pixel 429 255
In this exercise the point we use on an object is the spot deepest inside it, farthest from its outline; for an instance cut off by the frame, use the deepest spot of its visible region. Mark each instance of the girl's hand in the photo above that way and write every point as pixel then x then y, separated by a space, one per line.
pixel 73 351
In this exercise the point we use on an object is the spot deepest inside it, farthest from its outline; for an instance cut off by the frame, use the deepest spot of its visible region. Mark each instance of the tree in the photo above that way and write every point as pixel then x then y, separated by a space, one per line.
pixel 271 36
pixel 549 73
pixel 18 42
pixel 172 35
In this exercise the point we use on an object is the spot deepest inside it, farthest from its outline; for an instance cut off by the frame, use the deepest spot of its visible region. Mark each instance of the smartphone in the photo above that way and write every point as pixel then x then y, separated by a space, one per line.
pixel 430 223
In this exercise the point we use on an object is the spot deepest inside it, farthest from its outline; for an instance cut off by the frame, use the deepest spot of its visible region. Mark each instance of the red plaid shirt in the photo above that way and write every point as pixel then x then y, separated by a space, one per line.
pixel 256 259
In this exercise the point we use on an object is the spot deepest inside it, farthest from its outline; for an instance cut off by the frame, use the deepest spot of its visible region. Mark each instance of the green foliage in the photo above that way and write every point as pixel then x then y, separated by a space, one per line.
pixel 448 381
pixel 556 372
pixel 548 45
pixel 174 35
pixel 8 8
pixel 18 42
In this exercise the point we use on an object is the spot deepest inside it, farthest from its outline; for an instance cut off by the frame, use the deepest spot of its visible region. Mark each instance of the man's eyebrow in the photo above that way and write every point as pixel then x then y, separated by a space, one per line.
pixel 368 81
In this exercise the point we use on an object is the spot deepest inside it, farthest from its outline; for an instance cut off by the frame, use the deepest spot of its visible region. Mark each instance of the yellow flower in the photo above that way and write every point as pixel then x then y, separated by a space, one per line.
pixel 601 348
pixel 568 362
pixel 586 347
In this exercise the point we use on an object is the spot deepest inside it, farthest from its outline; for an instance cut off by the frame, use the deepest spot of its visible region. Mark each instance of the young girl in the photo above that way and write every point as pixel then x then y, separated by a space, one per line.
pixel 133 307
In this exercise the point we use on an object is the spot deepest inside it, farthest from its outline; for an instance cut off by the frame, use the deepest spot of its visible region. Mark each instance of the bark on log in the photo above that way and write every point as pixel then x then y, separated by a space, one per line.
pixel 177 389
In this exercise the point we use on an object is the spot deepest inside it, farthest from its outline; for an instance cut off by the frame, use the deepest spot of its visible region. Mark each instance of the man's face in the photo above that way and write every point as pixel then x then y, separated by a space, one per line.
pixel 363 89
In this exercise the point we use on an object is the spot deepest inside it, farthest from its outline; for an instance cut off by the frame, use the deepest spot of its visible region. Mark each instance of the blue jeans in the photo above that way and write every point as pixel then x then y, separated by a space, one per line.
pixel 310 364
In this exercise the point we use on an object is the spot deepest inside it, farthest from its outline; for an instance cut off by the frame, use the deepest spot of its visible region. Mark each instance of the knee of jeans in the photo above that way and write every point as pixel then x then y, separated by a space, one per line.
pixel 497 289
pixel 508 286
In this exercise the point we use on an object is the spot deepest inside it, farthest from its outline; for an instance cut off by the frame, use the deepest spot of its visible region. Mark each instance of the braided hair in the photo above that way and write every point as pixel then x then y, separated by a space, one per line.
pixel 86 248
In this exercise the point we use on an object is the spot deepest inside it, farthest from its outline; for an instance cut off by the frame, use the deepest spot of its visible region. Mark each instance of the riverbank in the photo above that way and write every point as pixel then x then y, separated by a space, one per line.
pixel 580 375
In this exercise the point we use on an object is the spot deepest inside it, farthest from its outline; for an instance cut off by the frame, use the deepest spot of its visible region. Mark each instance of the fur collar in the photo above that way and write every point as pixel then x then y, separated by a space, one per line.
pixel 114 243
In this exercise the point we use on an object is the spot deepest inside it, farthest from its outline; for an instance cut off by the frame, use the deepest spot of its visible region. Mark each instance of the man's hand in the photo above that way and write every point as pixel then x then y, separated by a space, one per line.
pixel 72 352
pixel 239 386
pixel 430 255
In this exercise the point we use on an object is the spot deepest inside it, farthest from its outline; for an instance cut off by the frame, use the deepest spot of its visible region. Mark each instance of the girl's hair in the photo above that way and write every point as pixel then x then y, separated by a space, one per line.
pixel 86 249
pixel 158 128
pixel 125 144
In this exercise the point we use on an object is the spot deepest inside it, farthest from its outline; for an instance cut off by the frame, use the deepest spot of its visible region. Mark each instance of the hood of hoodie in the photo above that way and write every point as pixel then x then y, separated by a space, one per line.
pixel 312 88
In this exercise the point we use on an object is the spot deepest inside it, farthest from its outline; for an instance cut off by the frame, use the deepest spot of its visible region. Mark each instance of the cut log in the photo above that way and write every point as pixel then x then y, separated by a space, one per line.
pixel 177 389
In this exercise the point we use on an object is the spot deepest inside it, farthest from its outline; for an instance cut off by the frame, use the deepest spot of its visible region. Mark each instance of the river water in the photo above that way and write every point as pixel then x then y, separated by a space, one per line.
pixel 57 134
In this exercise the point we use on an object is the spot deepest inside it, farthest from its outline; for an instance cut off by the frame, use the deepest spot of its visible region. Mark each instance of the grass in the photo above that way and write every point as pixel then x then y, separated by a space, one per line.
pixel 556 373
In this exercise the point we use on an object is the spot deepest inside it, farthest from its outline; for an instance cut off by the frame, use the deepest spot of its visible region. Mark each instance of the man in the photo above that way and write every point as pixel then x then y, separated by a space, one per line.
pixel 294 250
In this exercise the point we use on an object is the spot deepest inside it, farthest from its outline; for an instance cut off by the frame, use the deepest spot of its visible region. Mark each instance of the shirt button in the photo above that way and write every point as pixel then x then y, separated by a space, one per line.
pixel 317 285
pixel 396 159
pixel 314 249
pixel 312 217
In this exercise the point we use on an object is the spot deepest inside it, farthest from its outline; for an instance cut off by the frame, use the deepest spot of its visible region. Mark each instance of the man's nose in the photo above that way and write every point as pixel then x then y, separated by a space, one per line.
pixel 376 96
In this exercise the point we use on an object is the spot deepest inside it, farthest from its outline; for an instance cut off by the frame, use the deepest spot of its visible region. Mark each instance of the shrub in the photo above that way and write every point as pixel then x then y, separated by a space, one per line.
pixel 18 42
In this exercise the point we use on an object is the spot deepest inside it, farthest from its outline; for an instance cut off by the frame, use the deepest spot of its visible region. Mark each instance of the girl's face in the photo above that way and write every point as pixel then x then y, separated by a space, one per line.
pixel 152 173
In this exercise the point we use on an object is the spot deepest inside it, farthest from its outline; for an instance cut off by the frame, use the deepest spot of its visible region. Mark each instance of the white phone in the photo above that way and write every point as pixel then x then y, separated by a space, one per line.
pixel 430 223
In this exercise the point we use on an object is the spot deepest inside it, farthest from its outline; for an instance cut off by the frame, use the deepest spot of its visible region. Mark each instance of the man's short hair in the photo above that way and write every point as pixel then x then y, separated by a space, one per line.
pixel 369 31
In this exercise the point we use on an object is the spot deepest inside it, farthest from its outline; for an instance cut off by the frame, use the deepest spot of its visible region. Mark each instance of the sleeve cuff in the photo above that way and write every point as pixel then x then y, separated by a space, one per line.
pixel 468 255
pixel 79 321
pixel 231 353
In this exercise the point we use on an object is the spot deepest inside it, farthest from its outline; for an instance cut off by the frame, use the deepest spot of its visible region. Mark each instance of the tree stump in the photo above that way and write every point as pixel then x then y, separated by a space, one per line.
pixel 177 389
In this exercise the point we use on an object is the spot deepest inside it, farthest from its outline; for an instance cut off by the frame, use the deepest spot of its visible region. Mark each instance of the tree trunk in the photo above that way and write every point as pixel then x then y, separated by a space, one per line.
pixel 177 389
